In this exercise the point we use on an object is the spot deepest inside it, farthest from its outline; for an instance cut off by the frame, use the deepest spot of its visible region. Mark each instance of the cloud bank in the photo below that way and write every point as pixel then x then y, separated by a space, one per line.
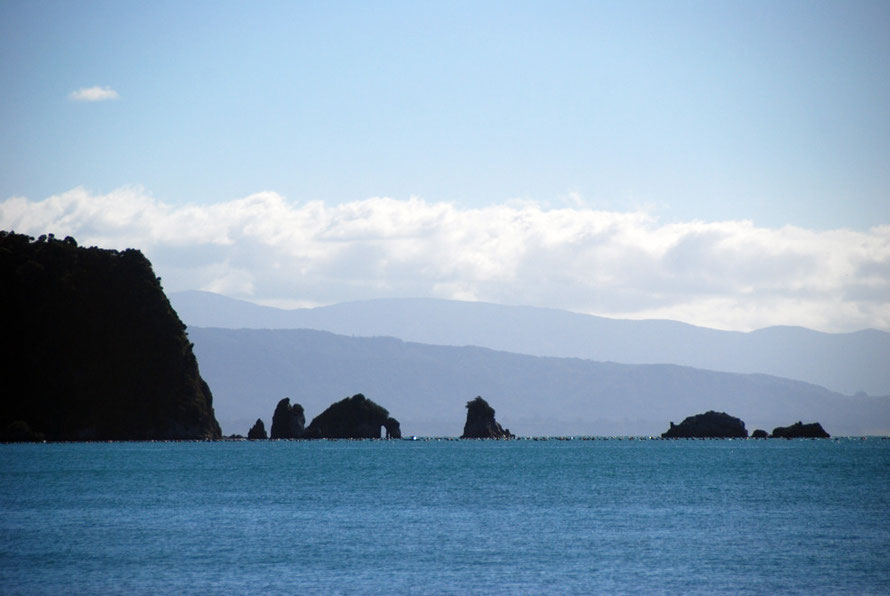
pixel 264 248
pixel 93 94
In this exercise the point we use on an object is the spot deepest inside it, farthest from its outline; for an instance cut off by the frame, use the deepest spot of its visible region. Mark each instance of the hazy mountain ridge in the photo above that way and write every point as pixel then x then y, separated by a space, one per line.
pixel 426 387
pixel 844 362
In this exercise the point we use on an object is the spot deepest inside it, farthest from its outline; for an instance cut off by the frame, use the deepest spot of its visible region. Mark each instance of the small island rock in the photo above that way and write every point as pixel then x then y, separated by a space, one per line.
pixel 759 434
pixel 257 431
pixel 799 430
pixel 480 422
pixel 711 424
pixel 288 421
pixel 355 417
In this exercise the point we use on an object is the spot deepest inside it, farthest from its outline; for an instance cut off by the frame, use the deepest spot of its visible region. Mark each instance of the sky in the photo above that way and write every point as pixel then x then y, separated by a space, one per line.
pixel 722 163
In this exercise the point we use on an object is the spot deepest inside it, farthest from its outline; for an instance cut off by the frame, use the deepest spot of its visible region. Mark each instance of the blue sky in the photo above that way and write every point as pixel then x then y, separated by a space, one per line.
pixel 714 126
pixel 778 112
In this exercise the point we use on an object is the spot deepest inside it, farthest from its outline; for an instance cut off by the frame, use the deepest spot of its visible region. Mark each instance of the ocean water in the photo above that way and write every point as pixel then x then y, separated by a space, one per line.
pixel 449 517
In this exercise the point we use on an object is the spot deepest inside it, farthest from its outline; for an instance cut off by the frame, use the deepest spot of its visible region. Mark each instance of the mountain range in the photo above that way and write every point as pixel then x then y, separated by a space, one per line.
pixel 426 387
pixel 847 363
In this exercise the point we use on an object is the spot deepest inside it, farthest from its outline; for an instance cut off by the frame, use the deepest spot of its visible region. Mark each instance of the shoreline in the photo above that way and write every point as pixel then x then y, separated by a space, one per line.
pixel 455 439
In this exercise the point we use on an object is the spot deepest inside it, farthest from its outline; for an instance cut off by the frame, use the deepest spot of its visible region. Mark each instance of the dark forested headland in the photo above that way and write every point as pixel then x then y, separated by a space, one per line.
pixel 92 348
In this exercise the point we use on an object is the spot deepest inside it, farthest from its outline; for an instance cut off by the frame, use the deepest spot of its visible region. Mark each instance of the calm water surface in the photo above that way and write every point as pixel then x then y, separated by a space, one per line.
pixel 446 517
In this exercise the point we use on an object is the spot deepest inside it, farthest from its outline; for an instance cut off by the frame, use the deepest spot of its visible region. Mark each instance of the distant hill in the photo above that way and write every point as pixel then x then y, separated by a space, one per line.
pixel 426 387
pixel 845 362
pixel 92 349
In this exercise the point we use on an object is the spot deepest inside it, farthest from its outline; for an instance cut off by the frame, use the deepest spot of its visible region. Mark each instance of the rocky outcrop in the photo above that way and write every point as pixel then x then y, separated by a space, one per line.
pixel 799 430
pixel 288 421
pixel 759 434
pixel 392 428
pixel 355 417
pixel 257 431
pixel 94 348
pixel 718 425
pixel 480 422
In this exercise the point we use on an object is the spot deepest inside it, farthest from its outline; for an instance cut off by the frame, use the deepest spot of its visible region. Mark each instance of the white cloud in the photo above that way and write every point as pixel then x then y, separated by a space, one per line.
pixel 729 274
pixel 93 94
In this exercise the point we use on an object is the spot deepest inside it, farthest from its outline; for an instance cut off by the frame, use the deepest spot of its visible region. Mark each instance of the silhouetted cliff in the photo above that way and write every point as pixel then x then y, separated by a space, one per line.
pixel 93 347
pixel 355 417
pixel 480 422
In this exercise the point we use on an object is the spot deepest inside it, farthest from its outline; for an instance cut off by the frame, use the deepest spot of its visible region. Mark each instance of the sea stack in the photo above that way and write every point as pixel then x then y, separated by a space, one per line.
pixel 480 422
pixel 257 431
pixel 355 417
pixel 93 349
pixel 288 421
pixel 710 425
pixel 799 430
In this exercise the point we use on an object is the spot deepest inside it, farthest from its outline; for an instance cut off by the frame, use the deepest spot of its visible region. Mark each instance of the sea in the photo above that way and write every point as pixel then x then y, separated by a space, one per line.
pixel 437 516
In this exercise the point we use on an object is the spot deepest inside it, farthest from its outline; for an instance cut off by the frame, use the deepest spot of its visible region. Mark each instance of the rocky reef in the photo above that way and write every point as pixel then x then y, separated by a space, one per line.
pixel 93 348
pixel 355 417
pixel 257 431
pixel 480 422
pixel 799 430
pixel 288 421
pixel 711 424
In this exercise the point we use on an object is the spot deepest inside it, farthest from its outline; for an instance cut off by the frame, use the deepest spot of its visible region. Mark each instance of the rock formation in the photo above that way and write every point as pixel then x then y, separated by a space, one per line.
pixel 392 428
pixel 759 434
pixel 257 431
pixel 799 430
pixel 355 417
pixel 93 347
pixel 708 425
pixel 288 421
pixel 480 422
